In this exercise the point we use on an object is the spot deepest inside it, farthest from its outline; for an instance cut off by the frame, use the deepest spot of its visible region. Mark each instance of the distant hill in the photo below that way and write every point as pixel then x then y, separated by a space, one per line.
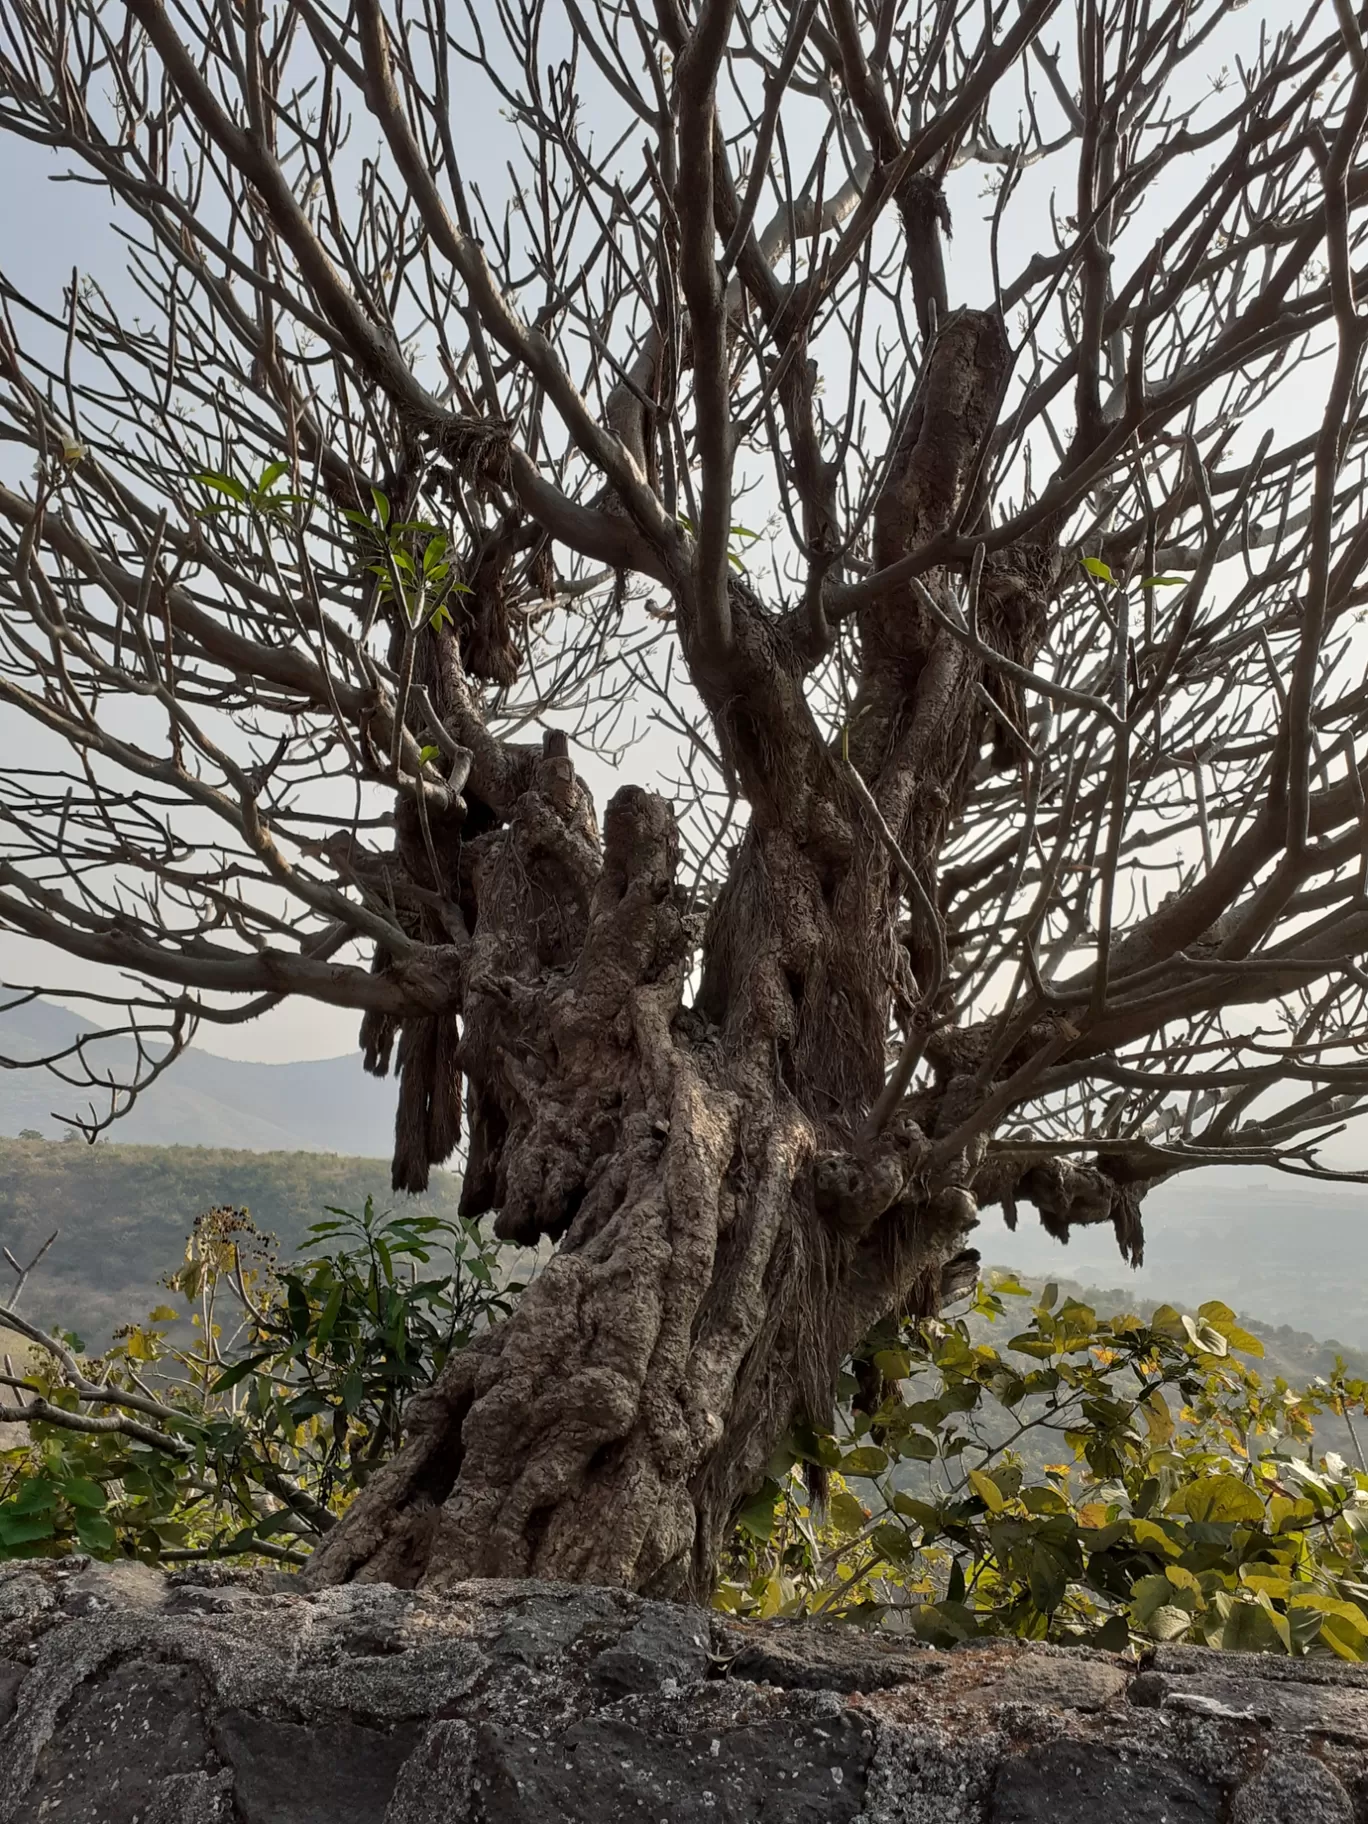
pixel 328 1105
pixel 124 1213
pixel 1291 1251
pixel 1294 1252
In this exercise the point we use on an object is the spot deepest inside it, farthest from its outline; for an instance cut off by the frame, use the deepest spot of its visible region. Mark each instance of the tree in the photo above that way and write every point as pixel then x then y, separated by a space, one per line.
pixel 1017 853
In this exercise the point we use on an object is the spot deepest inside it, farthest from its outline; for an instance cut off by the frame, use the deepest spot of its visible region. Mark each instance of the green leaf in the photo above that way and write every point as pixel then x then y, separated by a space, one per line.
pixel 1113 1636
pixel 756 1518
pixel 1044 1501
pixel 24 1529
pixel 916 1447
pixel 82 1492
pixel 1217 1498
pixel 239 1371
pixel 1048 1579
pixel 1028 1343
pixel 426 755
pixel 328 1322
pixel 35 1494
pixel 893 1542
pixel 866 1461
pixel 1162 582
pixel 95 1533
pixel 382 506
pixel 164 1314
pixel 987 1491
pixel 1222 1319
pixel 846 1513
pixel 270 475
pixel 926 1516
pixel 224 484
pixel 1250 1629
pixel 1095 567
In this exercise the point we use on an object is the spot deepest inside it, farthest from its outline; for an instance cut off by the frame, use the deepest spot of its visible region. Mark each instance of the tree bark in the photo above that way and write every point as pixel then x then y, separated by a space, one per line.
pixel 714 1266
pixel 729 1222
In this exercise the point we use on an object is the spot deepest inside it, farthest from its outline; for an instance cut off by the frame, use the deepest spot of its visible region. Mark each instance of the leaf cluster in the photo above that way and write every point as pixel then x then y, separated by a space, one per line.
pixel 277 1389
pixel 1098 1480
pixel 1104 1480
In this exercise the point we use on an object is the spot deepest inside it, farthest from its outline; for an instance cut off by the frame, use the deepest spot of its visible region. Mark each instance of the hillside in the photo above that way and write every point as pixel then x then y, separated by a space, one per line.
pixel 1294 1252
pixel 124 1212
pixel 326 1105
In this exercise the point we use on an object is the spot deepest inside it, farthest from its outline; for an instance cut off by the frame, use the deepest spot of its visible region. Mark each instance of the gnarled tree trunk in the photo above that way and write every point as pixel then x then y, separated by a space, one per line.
pixel 735 1198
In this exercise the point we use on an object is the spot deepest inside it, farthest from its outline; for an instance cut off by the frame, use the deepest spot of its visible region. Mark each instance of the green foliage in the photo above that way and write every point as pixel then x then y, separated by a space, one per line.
pixel 254 1431
pixel 742 532
pixel 411 558
pixel 264 497
pixel 122 1213
pixel 1057 1476
pixel 1179 1499
pixel 1097 567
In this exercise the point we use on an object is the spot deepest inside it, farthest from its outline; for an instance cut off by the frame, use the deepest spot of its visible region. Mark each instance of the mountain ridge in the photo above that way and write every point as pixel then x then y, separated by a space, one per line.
pixel 322 1105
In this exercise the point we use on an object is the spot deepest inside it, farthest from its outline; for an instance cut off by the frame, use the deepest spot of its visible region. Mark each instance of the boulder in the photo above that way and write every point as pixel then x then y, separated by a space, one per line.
pixel 128 1696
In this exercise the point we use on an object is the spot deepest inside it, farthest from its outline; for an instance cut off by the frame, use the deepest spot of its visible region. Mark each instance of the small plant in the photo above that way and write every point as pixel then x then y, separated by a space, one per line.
pixel 241 1418
pixel 412 559
pixel 1097 1480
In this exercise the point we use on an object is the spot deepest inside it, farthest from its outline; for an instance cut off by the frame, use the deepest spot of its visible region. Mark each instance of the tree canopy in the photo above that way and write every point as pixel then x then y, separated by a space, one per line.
pixel 501 399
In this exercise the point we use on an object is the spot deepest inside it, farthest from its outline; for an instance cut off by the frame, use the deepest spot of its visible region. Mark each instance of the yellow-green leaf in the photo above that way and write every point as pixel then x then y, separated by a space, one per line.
pixel 987 1491
pixel 868 1460
pixel 1217 1498
pixel 848 1515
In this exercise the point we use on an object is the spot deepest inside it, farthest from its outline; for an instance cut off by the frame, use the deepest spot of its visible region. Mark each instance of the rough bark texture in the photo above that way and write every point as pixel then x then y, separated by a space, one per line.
pixel 130 1698
pixel 730 1223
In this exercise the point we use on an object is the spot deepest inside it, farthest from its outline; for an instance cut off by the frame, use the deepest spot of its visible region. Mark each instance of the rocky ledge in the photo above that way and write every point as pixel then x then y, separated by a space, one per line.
pixel 130 1697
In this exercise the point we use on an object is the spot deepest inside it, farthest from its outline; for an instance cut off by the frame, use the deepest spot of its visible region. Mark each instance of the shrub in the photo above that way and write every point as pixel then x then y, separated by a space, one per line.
pixel 1096 1480
pixel 1102 1480
pixel 240 1419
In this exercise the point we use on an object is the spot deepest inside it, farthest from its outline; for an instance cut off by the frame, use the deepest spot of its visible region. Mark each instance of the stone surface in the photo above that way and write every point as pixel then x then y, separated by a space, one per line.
pixel 11 1677
pixel 1293 1789
pixel 129 1697
pixel 1080 1782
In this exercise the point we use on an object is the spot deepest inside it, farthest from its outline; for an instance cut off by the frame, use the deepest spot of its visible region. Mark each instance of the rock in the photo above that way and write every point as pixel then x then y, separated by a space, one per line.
pixel 1082 1783
pixel 11 1677
pixel 612 1768
pixel 823 1657
pixel 125 1735
pixel 1293 1789
pixel 286 1773
pixel 1317 1698
pixel 220 1697
pixel 1056 1683
pixel 667 1648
